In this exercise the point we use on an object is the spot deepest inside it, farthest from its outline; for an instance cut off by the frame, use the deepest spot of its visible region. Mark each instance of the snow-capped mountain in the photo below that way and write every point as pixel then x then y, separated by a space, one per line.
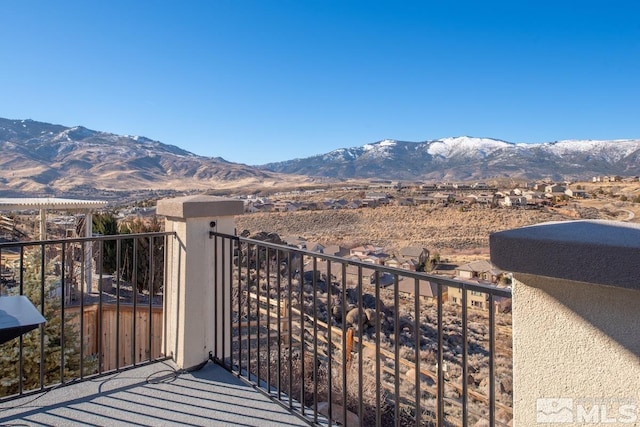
pixel 42 158
pixel 465 158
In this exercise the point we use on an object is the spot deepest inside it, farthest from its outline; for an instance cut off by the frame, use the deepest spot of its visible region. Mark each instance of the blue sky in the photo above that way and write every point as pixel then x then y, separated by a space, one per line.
pixel 262 81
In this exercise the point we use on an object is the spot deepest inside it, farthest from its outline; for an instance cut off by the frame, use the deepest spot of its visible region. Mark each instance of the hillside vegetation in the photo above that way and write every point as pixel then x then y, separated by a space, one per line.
pixel 445 229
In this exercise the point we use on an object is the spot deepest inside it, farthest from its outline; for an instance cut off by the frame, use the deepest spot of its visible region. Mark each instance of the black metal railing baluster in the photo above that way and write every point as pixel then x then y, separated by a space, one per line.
pixel 279 319
pixel 118 286
pixel 492 352
pixel 99 316
pixel 63 296
pixel 360 347
pixel 396 348
pixel 223 295
pixel 134 292
pixel 83 284
pixel 302 341
pixel 268 319
pixel 378 319
pixel 21 351
pixel 440 372
pixel 329 343
pixel 258 295
pixel 290 327
pixel 42 311
pixel 417 338
pixel 465 358
pixel 151 296
pixel 315 339
pixel 346 352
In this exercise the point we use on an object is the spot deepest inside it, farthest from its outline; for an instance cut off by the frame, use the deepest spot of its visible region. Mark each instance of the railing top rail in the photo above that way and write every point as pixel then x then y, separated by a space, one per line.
pixel 445 281
pixel 84 239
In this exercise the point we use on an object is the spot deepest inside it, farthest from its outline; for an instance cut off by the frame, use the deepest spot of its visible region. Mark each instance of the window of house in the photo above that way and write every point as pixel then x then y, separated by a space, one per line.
pixel 476 304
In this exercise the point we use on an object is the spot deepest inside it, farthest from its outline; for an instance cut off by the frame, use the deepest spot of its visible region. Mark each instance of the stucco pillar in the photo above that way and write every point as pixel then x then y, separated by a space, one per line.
pixel 192 328
pixel 576 322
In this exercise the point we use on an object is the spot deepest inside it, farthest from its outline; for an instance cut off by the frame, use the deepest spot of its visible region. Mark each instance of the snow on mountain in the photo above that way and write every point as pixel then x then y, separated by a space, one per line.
pixel 466 157
pixel 381 149
pixel 465 146
pixel 613 150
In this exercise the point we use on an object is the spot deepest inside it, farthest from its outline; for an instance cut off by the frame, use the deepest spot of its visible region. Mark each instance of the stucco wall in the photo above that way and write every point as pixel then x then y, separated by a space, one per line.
pixel 576 346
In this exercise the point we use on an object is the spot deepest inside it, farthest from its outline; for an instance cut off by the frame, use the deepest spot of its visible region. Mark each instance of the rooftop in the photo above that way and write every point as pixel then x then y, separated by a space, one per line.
pixel 49 203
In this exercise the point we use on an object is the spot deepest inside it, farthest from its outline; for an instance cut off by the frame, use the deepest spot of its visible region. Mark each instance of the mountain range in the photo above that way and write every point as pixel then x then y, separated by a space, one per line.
pixel 468 158
pixel 39 158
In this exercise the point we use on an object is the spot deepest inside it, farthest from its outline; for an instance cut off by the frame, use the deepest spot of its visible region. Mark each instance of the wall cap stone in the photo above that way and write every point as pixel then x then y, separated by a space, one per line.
pixel 199 206
pixel 592 251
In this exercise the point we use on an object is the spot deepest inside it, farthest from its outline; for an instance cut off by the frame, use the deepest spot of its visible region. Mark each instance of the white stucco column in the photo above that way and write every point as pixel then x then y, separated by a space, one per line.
pixel 576 322
pixel 192 329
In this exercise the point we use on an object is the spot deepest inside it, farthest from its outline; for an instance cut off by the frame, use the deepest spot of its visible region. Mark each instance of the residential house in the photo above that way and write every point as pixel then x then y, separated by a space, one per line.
pixel 427 290
pixel 485 198
pixel 444 198
pixel 578 194
pixel 513 201
pixel 481 269
pixel 555 189
pixel 287 206
pixel 410 264
pixel 369 203
pixel 336 250
pixel 380 198
pixel 416 253
pixel 404 201
pixel 475 299
pixel 365 250
pixel 427 200
pixel 393 262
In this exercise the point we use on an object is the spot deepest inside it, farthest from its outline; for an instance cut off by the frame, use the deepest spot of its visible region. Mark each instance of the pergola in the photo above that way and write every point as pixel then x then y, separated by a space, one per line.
pixel 54 203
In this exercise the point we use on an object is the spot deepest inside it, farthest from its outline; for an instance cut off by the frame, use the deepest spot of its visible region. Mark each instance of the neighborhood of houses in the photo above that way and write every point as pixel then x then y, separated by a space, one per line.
pixel 412 258
pixel 529 196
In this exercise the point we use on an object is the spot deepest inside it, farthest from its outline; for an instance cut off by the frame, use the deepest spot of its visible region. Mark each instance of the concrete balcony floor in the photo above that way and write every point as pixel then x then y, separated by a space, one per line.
pixel 151 395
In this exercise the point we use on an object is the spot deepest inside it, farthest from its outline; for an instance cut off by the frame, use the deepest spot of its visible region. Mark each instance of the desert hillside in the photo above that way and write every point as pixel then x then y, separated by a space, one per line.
pixel 448 230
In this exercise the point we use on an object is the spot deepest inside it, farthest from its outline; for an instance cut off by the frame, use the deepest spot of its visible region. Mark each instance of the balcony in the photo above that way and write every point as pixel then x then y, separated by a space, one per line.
pixel 267 333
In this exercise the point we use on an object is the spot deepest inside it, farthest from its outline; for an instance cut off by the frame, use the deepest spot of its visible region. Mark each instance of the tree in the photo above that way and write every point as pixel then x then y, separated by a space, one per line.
pixel 106 224
pixel 430 263
pixel 53 329
pixel 144 248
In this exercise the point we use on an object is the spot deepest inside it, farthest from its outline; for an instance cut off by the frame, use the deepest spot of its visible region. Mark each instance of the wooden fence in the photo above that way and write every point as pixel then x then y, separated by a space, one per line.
pixel 111 332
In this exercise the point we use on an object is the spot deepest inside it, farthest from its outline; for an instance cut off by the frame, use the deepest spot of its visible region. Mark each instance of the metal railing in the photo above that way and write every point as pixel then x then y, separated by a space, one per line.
pixel 102 298
pixel 342 341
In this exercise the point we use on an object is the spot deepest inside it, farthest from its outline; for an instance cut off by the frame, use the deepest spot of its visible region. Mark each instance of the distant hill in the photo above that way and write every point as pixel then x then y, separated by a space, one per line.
pixel 40 158
pixel 468 158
